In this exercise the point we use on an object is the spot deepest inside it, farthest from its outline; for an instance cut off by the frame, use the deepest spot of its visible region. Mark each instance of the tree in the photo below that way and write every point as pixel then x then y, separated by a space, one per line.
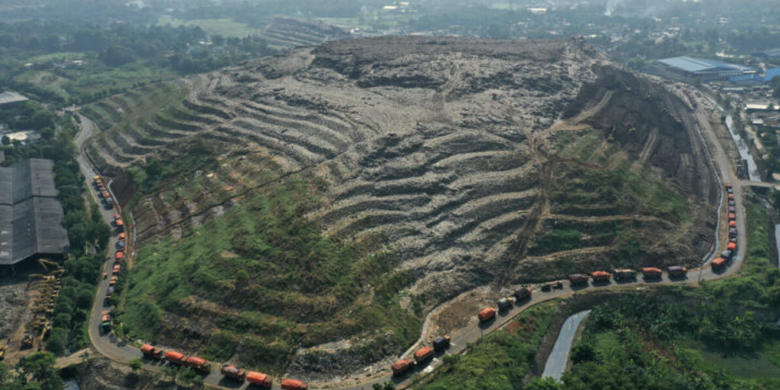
pixel 117 56
pixel 136 364
pixel 62 320
pixel 58 340
pixel 40 368
pixel 84 299
pixel 543 384
pixel 583 352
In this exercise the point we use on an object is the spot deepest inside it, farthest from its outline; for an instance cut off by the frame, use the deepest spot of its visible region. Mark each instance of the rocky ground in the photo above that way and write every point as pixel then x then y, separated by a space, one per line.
pixel 12 302
pixel 454 148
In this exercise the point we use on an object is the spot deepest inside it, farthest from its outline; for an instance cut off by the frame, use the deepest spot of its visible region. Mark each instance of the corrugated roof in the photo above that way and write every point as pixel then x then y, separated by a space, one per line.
pixel 30 213
pixel 11 97
pixel 772 73
pixel 695 65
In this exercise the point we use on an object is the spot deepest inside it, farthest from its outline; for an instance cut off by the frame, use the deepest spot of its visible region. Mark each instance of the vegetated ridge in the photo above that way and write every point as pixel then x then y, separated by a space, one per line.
pixel 303 212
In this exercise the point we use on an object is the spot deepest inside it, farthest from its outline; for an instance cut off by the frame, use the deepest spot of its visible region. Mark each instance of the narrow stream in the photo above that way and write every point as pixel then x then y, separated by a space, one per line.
pixel 744 150
pixel 556 362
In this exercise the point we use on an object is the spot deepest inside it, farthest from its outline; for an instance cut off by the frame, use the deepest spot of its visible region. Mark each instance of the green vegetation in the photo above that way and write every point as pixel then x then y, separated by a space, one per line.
pixel 34 372
pixel 223 27
pixel 686 337
pixel 499 360
pixel 758 283
pixel 267 279
pixel 660 342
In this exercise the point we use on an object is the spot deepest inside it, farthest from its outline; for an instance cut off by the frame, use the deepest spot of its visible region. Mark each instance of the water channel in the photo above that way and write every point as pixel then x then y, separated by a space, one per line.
pixel 744 150
pixel 556 362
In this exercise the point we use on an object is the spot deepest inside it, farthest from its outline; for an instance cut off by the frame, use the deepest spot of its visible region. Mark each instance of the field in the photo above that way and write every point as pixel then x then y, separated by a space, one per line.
pixel 226 27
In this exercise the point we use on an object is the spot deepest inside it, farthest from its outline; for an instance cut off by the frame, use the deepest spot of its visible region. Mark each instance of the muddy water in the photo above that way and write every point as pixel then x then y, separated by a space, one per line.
pixel 744 150
pixel 556 362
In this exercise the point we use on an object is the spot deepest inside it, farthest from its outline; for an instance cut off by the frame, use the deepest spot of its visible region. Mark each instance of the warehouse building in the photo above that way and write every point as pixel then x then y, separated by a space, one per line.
pixel 704 69
pixel 30 213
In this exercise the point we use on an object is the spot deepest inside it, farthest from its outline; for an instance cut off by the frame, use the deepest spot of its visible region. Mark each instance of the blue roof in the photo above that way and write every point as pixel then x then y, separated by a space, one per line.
pixel 694 65
pixel 771 73
pixel 746 77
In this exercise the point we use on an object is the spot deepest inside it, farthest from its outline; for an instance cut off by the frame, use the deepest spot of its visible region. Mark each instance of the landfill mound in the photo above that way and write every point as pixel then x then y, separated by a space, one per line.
pixel 481 161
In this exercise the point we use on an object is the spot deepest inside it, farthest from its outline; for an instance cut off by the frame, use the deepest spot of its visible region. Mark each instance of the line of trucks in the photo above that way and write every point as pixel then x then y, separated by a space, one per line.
pixel 228 370
pixel 101 187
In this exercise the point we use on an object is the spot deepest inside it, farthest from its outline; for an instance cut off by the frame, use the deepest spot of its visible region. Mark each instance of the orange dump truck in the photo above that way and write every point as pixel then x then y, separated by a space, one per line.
pixel 260 379
pixel 121 236
pixel 732 216
pixel 486 314
pixel 151 351
pixel 600 276
pixel 232 372
pixel 293 384
pixel 718 263
pixel 175 357
pixel 423 354
pixel 119 255
pixel 117 268
pixel 652 272
pixel 732 224
pixel 732 246
pixel 401 366
pixel 198 364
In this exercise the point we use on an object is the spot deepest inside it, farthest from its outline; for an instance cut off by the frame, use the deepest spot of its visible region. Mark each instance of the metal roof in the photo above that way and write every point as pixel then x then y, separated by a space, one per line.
pixel 697 65
pixel 30 213
pixel 11 97
pixel 772 73
pixel 768 53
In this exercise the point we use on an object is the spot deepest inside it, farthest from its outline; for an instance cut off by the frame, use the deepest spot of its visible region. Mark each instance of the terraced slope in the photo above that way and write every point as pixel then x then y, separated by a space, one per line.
pixel 290 32
pixel 465 162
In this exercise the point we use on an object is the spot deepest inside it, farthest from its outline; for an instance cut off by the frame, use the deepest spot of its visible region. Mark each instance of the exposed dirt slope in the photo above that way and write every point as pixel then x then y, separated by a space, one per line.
pixel 482 161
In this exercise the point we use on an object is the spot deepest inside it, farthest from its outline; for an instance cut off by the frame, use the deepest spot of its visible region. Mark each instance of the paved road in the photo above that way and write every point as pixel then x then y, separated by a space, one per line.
pixel 107 345
pixel 556 362
pixel 115 350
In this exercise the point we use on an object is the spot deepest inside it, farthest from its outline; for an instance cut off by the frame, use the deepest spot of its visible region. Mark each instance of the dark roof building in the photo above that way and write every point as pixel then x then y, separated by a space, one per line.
pixel 30 213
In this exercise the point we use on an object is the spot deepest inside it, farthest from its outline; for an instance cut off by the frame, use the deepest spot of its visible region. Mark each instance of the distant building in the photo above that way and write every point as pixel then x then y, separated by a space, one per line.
pixel 11 98
pixel 771 53
pixel 25 137
pixel 759 106
pixel 30 213
pixel 705 69
pixel 771 73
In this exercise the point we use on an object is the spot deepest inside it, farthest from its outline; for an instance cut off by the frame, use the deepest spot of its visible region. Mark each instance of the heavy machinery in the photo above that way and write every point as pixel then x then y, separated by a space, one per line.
pixel 293 384
pixel 652 272
pixel 552 285
pixel 423 354
pixel 523 293
pixel 718 263
pixel 28 341
pixel 676 271
pixel 402 366
pixel 151 352
pixel 197 363
pixel 578 279
pixel 441 343
pixel 622 274
pixel 232 372
pixel 486 314
pixel 506 303
pixel 732 246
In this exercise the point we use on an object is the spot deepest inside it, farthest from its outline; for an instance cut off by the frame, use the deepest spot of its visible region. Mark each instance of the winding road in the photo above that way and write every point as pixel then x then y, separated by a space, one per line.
pixel 109 346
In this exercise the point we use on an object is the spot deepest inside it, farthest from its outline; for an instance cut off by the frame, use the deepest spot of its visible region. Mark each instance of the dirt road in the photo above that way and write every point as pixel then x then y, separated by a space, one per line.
pixel 121 352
